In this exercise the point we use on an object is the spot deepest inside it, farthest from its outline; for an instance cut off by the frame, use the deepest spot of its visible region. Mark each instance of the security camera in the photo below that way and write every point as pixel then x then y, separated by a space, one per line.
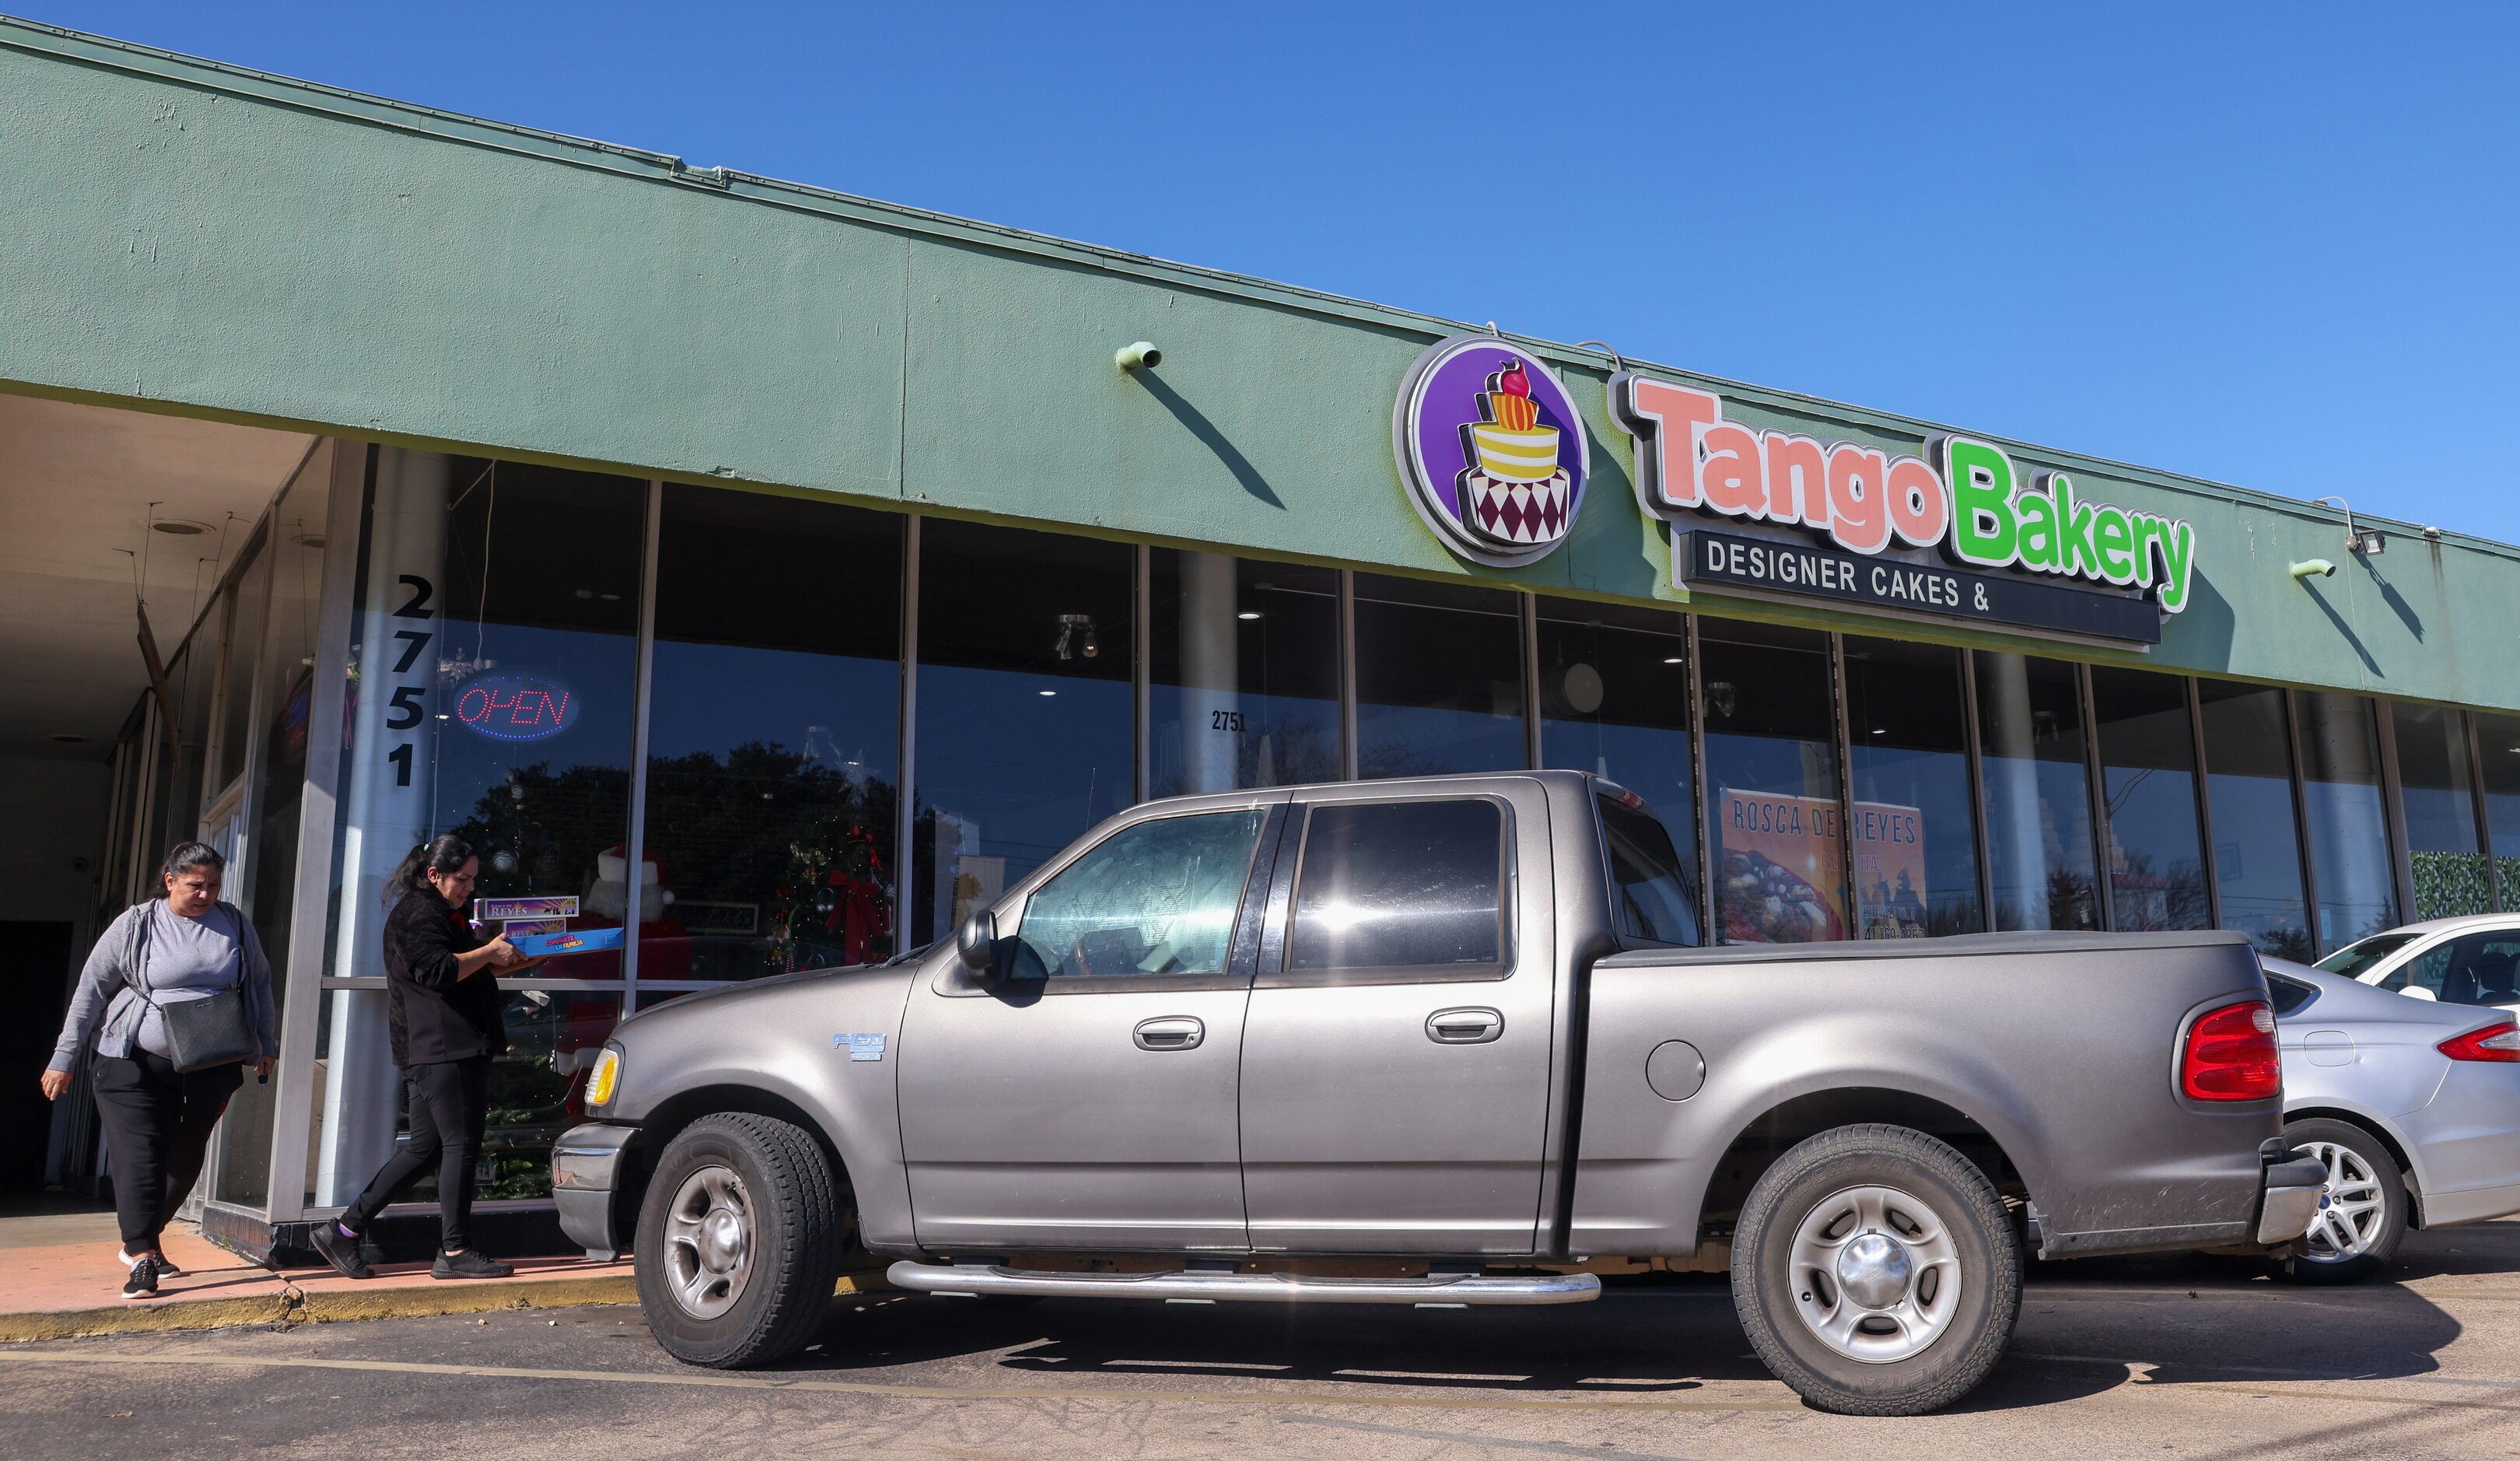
pixel 1133 356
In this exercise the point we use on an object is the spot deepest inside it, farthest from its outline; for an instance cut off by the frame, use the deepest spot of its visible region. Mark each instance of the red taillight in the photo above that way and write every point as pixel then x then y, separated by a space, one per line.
pixel 2494 1042
pixel 2231 1055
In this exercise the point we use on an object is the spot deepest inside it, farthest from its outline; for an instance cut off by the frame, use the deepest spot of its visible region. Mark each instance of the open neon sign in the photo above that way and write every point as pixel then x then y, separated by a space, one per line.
pixel 516 707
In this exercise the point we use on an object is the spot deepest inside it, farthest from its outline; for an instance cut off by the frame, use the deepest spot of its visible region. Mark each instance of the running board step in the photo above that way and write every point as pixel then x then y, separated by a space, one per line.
pixel 975 1280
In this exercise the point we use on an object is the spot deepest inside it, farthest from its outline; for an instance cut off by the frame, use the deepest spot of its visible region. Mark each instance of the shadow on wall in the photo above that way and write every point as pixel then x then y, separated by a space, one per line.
pixel 2342 627
pixel 2201 633
pixel 2395 601
pixel 1209 437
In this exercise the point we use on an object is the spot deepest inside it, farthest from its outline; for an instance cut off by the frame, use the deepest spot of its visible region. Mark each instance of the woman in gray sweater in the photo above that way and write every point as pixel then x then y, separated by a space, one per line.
pixel 157 1119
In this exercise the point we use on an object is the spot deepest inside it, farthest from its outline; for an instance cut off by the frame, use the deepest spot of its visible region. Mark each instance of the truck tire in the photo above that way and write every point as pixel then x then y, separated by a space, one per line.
pixel 2362 1212
pixel 1875 1273
pixel 740 1241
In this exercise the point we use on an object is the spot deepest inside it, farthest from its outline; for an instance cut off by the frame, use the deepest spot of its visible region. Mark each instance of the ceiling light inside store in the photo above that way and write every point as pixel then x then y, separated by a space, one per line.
pixel 1248 615
pixel 1674 660
pixel 1049 692
pixel 309 540
pixel 182 528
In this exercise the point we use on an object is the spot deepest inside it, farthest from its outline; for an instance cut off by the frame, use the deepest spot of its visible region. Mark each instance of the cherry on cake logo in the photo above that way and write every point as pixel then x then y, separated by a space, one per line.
pixel 1491 448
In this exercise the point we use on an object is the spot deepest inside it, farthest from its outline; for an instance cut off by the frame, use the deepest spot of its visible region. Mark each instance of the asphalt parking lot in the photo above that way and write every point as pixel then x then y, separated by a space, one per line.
pixel 2191 1356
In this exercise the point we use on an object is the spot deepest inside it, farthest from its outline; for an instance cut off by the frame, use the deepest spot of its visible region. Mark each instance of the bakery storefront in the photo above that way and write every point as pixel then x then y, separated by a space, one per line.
pixel 773 620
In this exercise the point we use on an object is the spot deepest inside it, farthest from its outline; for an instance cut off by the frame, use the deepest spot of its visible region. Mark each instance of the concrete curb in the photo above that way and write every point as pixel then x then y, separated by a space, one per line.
pixel 293 1306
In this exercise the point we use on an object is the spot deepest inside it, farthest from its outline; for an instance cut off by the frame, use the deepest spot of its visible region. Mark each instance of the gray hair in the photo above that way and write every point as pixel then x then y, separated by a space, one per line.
pixel 188 855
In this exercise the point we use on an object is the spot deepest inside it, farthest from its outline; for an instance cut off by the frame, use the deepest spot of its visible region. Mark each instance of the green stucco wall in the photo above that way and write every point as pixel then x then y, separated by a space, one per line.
pixel 214 241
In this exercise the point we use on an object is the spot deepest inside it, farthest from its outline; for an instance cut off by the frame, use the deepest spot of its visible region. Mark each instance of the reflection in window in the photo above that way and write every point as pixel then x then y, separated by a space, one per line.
pixel 2349 832
pixel 2257 851
pixel 2149 773
pixel 1771 785
pixel 1154 899
pixel 770 736
pixel 1614 701
pixel 1024 716
pixel 1400 884
pixel 1438 679
pixel 2498 747
pixel 537 1090
pixel 1243 678
pixel 2038 792
pixel 1915 843
pixel 2439 794
pixel 527 746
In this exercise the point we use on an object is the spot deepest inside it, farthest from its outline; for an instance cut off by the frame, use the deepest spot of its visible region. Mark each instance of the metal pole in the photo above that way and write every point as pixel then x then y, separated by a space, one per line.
pixel 1845 785
pixel 634 865
pixel 905 816
pixel 1142 640
pixel 2204 784
pixel 1347 674
pixel 2484 815
pixel 1976 742
pixel 1531 680
pixel 2301 820
pixel 1702 816
pixel 2103 889
pixel 2393 808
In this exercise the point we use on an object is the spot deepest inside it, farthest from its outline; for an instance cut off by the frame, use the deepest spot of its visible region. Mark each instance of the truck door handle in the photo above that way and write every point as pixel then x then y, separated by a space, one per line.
pixel 1464 1027
pixel 1170 1033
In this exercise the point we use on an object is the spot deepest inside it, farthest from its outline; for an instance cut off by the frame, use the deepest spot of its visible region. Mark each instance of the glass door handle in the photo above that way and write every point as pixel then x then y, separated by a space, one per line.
pixel 1464 1027
pixel 1170 1033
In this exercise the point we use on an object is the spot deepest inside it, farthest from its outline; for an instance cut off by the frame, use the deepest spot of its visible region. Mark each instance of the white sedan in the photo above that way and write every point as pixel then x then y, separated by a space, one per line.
pixel 2413 1103
pixel 2470 960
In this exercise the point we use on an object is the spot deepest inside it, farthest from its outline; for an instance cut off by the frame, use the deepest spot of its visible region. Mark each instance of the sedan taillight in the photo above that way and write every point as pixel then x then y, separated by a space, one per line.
pixel 2231 1055
pixel 2494 1042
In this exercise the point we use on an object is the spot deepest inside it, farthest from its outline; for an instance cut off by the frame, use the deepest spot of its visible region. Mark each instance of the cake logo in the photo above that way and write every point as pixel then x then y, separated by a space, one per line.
pixel 1491 448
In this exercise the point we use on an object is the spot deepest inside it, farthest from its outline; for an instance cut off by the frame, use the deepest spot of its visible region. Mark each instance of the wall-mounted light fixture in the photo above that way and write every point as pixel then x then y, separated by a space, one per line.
pixel 2367 543
pixel 1141 353
pixel 2313 567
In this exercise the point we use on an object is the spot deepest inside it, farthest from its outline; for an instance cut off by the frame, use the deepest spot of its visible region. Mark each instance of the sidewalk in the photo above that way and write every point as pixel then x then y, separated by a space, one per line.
pixel 59 1279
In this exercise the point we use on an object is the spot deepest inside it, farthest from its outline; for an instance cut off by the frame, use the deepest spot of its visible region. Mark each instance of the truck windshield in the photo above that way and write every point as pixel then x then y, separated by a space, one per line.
pixel 2351 960
pixel 1650 888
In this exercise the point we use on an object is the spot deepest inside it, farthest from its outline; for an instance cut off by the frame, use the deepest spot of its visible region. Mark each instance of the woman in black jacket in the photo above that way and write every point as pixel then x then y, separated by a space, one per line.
pixel 443 1003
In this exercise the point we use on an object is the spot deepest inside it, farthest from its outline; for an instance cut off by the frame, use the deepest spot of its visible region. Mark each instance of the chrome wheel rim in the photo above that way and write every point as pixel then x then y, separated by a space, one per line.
pixel 1876 1273
pixel 2351 1209
pixel 708 1243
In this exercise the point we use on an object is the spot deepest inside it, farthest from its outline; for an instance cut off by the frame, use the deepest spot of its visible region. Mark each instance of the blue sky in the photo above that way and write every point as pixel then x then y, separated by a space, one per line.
pixel 2274 245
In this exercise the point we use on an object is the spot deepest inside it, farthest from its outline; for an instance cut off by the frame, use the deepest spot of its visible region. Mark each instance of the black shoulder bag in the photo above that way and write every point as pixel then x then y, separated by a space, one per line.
pixel 213 1031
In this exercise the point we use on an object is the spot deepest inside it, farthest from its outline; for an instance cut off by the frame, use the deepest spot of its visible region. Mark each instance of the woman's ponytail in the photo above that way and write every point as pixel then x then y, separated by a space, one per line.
pixel 444 855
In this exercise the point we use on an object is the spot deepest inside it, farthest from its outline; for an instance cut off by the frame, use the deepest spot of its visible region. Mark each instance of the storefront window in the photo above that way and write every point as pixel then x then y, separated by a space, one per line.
pixel 247 611
pixel 2038 792
pixel 1915 838
pixel 774 721
pixel 2497 748
pixel 1243 675
pixel 295 555
pixel 2437 789
pixel 1614 701
pixel 2148 771
pixel 1438 679
pixel 537 1091
pixel 2256 848
pixel 1773 819
pixel 2349 831
pixel 1024 707
pixel 493 696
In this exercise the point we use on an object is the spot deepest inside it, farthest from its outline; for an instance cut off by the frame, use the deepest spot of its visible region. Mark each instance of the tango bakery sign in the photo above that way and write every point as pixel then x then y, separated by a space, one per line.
pixel 2077 566
pixel 1493 452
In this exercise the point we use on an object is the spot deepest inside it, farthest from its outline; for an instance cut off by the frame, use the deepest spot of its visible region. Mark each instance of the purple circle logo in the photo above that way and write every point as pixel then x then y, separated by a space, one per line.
pixel 1491 448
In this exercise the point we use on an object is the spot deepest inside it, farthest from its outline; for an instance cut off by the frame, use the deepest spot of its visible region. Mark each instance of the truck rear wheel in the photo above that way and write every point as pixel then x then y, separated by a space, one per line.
pixel 1875 1273
pixel 739 1241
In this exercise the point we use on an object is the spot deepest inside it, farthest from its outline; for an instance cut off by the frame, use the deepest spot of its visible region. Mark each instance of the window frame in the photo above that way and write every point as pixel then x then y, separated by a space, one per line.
pixel 1278 938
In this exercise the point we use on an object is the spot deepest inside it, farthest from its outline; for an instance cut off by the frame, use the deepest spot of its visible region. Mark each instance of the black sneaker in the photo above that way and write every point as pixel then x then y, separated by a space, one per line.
pixel 143 1282
pixel 166 1266
pixel 339 1251
pixel 470 1263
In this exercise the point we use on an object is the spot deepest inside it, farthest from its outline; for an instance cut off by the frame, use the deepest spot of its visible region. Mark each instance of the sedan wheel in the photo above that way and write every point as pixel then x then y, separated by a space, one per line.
pixel 2362 1209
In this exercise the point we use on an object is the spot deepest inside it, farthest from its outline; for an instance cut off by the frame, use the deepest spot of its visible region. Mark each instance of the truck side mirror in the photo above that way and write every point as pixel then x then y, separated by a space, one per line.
pixel 977 942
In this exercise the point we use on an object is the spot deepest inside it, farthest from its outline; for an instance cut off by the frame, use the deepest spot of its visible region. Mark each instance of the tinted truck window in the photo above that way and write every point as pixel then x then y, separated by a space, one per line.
pixel 1157 898
pixel 1401 884
pixel 1650 888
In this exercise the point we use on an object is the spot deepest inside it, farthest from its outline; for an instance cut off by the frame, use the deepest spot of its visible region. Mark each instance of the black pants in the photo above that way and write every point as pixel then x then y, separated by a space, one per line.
pixel 450 1101
pixel 157 1124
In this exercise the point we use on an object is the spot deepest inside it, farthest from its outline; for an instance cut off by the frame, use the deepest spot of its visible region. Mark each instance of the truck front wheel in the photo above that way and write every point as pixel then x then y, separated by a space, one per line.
pixel 740 1239
pixel 1875 1273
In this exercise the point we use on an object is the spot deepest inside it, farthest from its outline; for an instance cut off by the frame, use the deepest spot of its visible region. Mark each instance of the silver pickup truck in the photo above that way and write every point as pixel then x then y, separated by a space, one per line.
pixel 1436 1042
